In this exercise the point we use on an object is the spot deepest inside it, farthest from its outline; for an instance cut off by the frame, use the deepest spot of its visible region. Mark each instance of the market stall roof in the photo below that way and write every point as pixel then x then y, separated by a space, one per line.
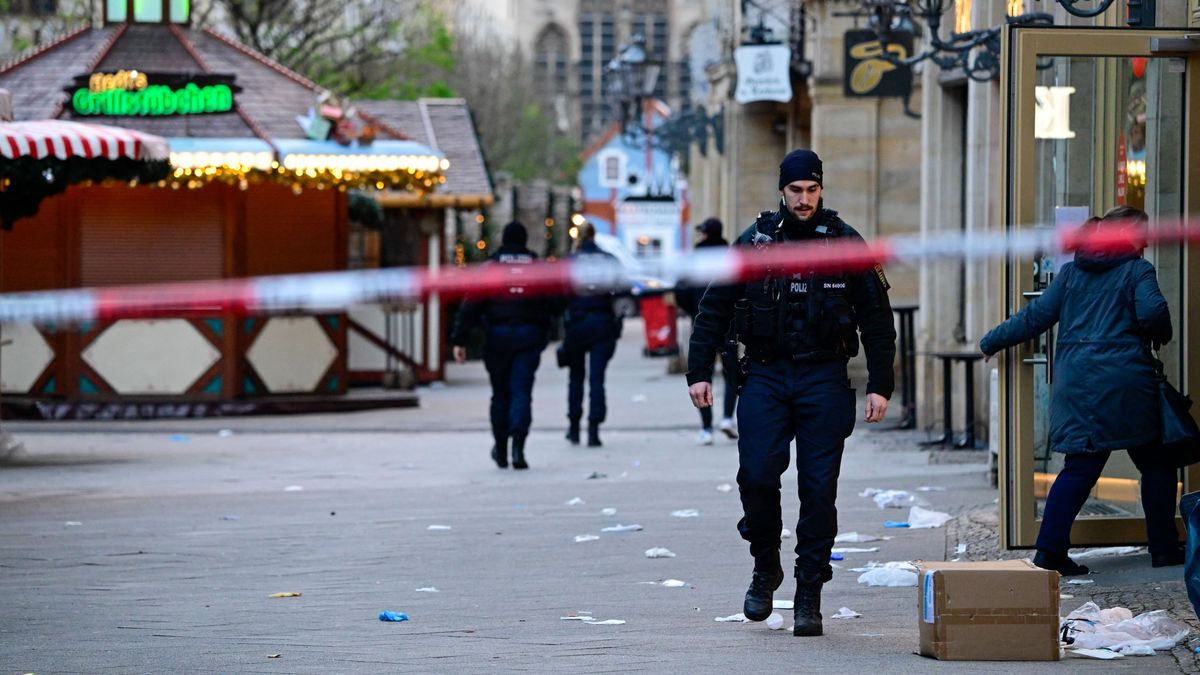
pixel 444 124
pixel 63 139
pixel 258 99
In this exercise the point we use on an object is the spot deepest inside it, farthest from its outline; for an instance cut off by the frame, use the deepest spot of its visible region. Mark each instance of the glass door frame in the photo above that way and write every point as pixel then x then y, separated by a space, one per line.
pixel 1022 47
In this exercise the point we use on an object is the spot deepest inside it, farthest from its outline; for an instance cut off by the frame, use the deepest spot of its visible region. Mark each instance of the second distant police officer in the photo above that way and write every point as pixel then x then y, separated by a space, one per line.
pixel 798 332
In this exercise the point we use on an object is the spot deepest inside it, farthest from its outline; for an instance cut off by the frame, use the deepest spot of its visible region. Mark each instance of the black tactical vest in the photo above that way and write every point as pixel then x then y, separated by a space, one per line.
pixel 805 317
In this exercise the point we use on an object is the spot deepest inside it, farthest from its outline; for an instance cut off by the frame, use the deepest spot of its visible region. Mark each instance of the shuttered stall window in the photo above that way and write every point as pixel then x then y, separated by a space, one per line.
pixel 150 235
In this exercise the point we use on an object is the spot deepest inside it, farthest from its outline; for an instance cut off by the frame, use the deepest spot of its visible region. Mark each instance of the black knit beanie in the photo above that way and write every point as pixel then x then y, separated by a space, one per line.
pixel 800 164
pixel 514 234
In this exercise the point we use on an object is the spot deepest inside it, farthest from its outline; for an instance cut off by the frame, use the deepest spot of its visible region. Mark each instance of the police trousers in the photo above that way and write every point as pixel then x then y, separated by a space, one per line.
pixel 812 404
pixel 590 342
pixel 511 356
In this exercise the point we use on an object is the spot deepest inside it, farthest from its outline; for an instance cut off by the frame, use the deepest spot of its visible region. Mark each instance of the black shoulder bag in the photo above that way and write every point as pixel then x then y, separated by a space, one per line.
pixel 1180 434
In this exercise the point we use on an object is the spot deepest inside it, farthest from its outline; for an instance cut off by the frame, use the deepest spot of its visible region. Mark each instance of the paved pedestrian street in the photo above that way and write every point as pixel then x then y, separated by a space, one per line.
pixel 157 546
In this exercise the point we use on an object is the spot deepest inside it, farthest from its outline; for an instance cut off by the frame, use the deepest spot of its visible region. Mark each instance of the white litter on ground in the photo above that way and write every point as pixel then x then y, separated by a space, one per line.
pixel 873 549
pixel 685 513
pixel 1097 653
pixel 724 487
pixel 580 538
pixel 674 583
pixel 1118 630
pixel 1109 551
pixel 919 518
pixel 894 499
pixel 225 433
pixel 608 512
pixel 893 574
pixel 578 616
pixel 783 604
pixel 846 613
pixel 72 523
pixel 659 553
pixel 774 622
pixel 856 538
pixel 639 398
pixel 931 488
pixel 293 488
pixel 575 501
pixel 622 528
pixel 438 527
pixel 1080 582
pixel 733 618
pixel 785 533
pixel 960 549
pixel 428 589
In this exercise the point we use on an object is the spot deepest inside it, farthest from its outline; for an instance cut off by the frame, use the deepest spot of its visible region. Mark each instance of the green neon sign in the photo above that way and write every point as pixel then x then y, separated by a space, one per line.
pixel 154 100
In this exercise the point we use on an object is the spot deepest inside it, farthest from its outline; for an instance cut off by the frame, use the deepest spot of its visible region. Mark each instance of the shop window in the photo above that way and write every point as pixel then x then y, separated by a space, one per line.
pixel 180 10
pixel 612 169
pixel 147 11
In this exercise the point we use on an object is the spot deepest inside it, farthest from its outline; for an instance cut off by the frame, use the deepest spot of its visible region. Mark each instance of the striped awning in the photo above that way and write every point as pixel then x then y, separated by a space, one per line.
pixel 62 139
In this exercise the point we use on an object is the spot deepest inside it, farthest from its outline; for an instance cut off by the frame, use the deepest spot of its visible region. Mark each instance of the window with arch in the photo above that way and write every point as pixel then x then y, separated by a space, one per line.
pixel 550 60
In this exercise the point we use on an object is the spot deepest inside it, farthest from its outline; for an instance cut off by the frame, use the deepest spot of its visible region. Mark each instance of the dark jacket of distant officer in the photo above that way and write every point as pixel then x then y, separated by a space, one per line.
pixel 517 326
pixel 799 331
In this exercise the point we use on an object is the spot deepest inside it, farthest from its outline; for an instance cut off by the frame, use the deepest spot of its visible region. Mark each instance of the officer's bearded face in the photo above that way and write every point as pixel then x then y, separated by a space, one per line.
pixel 801 198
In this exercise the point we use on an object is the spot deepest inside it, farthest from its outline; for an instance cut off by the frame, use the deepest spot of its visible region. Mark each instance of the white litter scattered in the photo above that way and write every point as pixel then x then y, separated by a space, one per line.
pixel 72 523
pixel 575 501
pixel 856 538
pixel 785 533
pixel 674 583
pixel 931 488
pixel 1097 653
pixel 578 616
pixel 724 487
pixel 293 488
pixel 774 622
pixel 893 574
pixel 873 549
pixel 659 553
pixel 685 513
pixel 960 549
pixel 608 512
pixel 580 538
pixel 894 499
pixel 1109 551
pixel 869 492
pixel 1064 596
pixel 919 518
pixel 225 433
pixel 1080 582
pixel 1116 629
pixel 606 622
pixel 734 618
pixel 428 589
pixel 782 604
pixel 1137 650
pixel 438 527
pixel 622 528
pixel 639 398
pixel 846 613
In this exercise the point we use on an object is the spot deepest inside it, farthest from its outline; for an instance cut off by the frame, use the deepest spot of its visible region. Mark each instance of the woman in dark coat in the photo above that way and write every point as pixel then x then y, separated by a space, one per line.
pixel 1108 307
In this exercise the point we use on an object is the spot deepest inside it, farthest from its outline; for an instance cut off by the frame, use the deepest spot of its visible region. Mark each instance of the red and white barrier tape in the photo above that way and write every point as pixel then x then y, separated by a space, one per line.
pixel 337 290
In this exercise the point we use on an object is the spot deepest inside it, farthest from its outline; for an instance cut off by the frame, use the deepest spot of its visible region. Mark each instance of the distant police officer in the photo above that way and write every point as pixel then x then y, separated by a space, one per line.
pixel 517 331
pixel 592 329
pixel 798 334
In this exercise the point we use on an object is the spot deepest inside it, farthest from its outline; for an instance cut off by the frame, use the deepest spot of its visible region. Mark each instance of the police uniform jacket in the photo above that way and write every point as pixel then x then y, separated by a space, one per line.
pixel 511 306
pixel 861 297
pixel 1104 393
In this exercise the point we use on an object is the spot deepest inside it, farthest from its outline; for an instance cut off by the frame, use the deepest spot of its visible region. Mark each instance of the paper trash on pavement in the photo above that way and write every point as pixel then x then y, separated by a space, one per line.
pixel 846 613
pixel 580 538
pixel 931 488
pixel 724 487
pixel 436 528
pixel 1080 582
pixel 775 621
pixel 608 512
pixel 856 538
pixel 1097 653
pixel 622 528
pixel 1116 629
pixel 577 616
pixel 606 622
pixel 733 618
pixel 659 553
pixel 895 499
pixel 893 574
pixel 919 518
pixel 674 583
pixel 873 549
pixel 785 533
pixel 1108 551
pixel 783 604
pixel 428 589
pixel 575 501
pixel 685 513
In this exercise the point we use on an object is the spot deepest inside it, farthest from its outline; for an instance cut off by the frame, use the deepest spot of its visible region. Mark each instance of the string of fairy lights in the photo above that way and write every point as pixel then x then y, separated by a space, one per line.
pixel 418 173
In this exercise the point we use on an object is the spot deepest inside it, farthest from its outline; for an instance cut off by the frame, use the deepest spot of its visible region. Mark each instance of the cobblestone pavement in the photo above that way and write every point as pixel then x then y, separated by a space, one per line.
pixel 155 546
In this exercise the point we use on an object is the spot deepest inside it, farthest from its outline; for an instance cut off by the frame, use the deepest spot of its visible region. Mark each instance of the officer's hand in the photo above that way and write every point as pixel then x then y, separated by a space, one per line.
pixel 460 354
pixel 876 407
pixel 701 394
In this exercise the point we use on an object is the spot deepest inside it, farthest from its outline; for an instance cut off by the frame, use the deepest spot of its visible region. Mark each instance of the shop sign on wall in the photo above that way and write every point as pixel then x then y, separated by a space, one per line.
pixel 132 93
pixel 866 74
pixel 763 73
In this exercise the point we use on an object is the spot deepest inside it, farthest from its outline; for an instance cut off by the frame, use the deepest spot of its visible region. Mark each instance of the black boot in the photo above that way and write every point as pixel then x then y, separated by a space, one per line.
pixel 573 432
pixel 500 453
pixel 594 436
pixel 1168 558
pixel 1059 562
pixel 768 575
pixel 518 449
pixel 808 609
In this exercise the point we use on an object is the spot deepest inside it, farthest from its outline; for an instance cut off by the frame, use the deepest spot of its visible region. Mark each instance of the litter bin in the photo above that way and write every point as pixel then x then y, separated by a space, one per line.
pixel 659 319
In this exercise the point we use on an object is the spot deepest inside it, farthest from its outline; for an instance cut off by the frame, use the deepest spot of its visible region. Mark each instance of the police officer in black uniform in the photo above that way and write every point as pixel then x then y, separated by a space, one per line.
pixel 517 332
pixel 798 334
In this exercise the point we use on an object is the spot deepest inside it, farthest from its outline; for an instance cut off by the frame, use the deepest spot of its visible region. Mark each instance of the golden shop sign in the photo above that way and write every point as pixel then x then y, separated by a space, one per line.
pixel 867 74
pixel 132 93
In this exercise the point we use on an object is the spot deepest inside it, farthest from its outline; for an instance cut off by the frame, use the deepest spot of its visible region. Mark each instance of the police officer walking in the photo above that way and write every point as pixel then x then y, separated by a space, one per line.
pixel 592 329
pixel 798 332
pixel 517 332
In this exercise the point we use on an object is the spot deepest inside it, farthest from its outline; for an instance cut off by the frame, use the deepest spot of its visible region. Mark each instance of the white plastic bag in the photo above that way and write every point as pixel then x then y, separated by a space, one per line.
pixel 919 518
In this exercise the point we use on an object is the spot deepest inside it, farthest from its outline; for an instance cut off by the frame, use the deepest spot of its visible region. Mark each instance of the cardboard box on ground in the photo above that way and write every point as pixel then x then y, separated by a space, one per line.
pixel 1004 610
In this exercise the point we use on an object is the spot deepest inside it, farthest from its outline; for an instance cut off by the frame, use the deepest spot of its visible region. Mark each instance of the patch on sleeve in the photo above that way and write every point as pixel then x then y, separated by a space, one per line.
pixel 882 277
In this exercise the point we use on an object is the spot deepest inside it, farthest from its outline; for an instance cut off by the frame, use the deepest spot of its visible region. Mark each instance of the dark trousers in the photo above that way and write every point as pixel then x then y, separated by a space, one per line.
pixel 1076 480
pixel 729 375
pixel 589 344
pixel 812 404
pixel 512 355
